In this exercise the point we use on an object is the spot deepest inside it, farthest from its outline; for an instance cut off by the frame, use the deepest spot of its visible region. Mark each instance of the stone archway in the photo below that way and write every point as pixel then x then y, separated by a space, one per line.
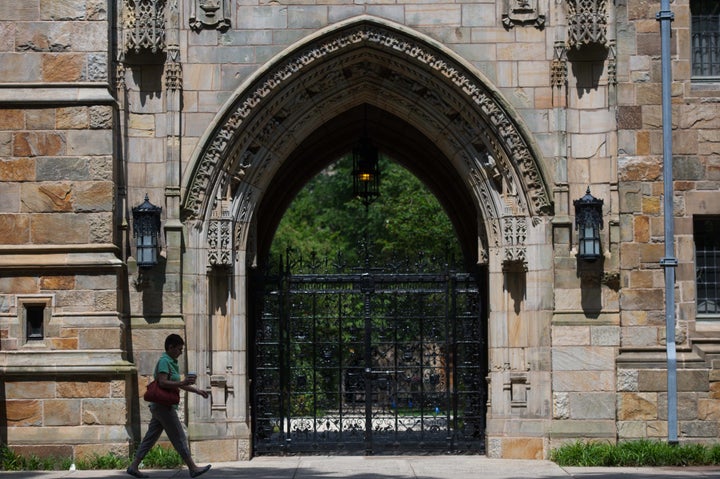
pixel 429 109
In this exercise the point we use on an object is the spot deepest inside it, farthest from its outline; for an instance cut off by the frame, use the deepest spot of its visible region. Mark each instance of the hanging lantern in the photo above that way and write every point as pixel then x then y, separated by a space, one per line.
pixel 366 172
pixel 146 231
pixel 588 223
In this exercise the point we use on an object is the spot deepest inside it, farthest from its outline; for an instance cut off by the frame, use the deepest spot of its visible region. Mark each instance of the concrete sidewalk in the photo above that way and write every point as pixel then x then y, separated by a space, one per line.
pixel 391 467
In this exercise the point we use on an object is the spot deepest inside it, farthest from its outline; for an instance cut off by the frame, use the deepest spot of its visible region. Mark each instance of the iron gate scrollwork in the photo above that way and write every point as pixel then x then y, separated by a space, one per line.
pixel 368 361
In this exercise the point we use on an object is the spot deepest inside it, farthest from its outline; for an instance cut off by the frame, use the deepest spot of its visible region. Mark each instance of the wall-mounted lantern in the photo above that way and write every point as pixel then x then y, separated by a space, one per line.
pixel 588 223
pixel 146 231
pixel 366 172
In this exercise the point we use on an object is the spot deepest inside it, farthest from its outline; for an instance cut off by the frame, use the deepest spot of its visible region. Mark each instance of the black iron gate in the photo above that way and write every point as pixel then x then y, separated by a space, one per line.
pixel 368 362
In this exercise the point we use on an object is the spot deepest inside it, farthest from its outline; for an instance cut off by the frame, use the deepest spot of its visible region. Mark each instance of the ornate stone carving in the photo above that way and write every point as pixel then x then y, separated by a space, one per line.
pixel 220 236
pixel 144 25
pixel 587 22
pixel 443 96
pixel 522 12
pixel 210 14
pixel 558 68
pixel 514 236
pixel 612 62
pixel 173 69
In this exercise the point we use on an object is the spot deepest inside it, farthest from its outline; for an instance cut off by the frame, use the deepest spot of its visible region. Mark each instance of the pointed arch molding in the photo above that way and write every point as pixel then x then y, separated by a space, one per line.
pixel 366 60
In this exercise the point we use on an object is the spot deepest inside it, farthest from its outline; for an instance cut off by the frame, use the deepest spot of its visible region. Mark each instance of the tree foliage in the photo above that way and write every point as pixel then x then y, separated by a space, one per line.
pixel 405 221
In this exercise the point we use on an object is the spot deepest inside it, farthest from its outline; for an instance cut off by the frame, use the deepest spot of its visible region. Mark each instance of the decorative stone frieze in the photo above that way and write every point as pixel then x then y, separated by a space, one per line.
pixel 587 23
pixel 522 12
pixel 144 25
pixel 211 14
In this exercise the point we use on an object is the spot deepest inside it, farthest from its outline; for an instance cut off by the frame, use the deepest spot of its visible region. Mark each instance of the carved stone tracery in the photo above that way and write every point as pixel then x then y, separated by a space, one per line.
pixel 220 236
pixel 278 111
pixel 587 22
pixel 514 237
pixel 144 26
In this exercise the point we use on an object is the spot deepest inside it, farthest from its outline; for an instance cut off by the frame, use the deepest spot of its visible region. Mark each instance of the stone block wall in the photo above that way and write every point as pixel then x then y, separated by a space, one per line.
pixel 63 391
pixel 641 365
pixel 65 417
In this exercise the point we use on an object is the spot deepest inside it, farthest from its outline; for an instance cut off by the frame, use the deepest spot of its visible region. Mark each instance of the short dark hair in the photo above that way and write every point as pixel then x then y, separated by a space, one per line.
pixel 173 340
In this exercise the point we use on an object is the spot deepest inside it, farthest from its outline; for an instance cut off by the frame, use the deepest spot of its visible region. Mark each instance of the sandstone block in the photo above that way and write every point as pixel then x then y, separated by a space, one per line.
pixel 522 448
pixel 29 389
pixel 643 168
pixel 637 406
pixel 104 411
pixel 46 197
pixel 708 410
pixel 43 451
pixel 19 284
pixel 99 339
pixel 14 229
pixel 19 67
pixel 39 144
pixel 571 358
pixel 641 299
pixel 63 344
pixel 62 9
pixel 62 412
pixel 83 389
pixel 94 196
pixel 45 228
pixel 72 118
pixel 57 282
pixel 215 450
pixel 89 451
pixel 11 119
pixel 23 412
pixel 596 405
pixel 687 380
pixel 62 67
pixel 89 142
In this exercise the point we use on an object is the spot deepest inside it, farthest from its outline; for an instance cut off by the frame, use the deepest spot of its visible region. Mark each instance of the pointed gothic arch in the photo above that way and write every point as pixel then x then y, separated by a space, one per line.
pixel 313 87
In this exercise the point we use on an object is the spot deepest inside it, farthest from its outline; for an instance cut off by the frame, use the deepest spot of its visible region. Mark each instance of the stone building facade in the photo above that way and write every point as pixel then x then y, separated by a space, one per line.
pixel 219 111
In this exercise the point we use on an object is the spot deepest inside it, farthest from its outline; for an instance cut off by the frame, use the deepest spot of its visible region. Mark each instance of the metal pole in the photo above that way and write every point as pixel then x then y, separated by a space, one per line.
pixel 669 262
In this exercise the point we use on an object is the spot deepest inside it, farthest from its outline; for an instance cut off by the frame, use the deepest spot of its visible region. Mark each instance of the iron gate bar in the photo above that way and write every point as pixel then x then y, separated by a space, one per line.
pixel 463 428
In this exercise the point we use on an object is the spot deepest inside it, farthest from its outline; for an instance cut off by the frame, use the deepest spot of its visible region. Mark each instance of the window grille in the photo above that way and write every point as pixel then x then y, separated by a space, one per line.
pixel 705 32
pixel 707 265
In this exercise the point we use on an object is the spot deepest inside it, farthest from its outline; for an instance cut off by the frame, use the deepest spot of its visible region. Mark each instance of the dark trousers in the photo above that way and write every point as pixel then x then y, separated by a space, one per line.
pixel 164 418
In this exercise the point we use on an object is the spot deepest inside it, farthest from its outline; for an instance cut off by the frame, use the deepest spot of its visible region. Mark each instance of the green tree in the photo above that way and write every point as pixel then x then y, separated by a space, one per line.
pixel 405 221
